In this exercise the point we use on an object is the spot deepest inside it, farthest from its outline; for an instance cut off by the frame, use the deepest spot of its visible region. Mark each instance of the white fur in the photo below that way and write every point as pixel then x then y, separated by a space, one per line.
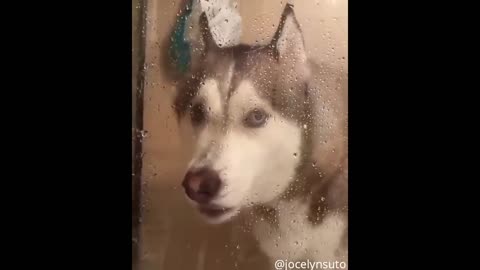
pixel 296 238
pixel 255 164
pixel 210 93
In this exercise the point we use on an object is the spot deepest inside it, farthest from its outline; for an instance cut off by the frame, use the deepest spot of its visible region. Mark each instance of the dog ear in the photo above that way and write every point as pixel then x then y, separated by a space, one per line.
pixel 288 39
pixel 206 33
pixel 204 43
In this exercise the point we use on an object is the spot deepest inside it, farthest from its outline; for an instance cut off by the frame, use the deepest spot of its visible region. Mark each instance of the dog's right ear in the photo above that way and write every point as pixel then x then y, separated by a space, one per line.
pixel 205 45
pixel 288 44
pixel 207 36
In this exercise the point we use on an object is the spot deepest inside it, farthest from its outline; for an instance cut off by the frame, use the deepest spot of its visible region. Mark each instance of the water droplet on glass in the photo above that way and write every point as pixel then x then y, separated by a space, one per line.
pixel 144 133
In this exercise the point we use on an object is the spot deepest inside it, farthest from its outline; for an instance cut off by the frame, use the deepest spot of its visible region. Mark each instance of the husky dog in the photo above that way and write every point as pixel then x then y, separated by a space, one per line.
pixel 268 129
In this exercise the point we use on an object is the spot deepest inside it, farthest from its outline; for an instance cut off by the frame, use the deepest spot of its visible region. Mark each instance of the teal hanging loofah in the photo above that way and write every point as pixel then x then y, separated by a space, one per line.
pixel 180 48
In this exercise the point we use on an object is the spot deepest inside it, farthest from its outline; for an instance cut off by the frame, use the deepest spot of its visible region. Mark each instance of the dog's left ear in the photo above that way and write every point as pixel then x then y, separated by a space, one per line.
pixel 288 44
pixel 288 40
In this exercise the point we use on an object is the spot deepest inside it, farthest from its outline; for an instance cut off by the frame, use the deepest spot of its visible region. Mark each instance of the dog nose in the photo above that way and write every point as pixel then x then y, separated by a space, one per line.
pixel 201 185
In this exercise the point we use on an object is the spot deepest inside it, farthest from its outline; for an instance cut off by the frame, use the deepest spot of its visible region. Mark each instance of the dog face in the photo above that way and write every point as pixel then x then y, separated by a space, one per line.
pixel 241 112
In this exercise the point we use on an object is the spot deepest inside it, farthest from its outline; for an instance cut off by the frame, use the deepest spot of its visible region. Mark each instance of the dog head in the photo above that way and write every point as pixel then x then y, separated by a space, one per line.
pixel 242 113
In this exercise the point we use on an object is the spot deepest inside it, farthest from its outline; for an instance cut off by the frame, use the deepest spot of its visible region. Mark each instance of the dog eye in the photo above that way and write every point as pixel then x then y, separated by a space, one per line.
pixel 256 118
pixel 198 114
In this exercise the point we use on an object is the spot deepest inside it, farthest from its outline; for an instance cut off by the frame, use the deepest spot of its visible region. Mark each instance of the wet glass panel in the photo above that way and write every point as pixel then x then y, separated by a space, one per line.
pixel 241 134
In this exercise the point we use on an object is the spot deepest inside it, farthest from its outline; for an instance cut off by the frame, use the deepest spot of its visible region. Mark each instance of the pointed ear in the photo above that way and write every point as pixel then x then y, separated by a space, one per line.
pixel 207 38
pixel 288 39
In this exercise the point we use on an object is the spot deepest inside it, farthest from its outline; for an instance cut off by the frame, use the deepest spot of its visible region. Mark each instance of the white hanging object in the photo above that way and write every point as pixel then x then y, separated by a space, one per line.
pixel 223 19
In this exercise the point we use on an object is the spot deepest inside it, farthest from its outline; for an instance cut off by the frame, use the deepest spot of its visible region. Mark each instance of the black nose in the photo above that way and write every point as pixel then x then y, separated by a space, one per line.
pixel 201 185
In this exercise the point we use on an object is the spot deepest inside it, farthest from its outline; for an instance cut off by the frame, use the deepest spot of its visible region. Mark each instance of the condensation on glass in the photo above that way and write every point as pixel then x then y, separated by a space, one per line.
pixel 259 122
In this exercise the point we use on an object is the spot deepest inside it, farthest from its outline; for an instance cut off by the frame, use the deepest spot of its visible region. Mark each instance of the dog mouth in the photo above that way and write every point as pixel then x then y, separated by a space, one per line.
pixel 213 211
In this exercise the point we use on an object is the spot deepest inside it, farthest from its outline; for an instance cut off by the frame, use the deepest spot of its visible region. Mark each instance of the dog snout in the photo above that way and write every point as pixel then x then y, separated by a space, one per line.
pixel 201 185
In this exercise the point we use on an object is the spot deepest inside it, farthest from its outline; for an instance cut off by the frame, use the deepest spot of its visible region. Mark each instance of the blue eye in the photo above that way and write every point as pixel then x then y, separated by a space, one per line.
pixel 256 118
